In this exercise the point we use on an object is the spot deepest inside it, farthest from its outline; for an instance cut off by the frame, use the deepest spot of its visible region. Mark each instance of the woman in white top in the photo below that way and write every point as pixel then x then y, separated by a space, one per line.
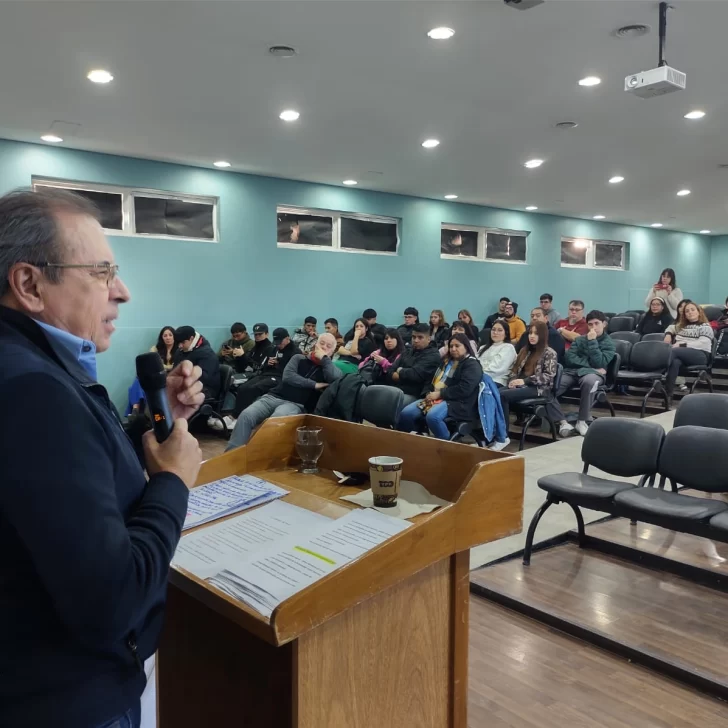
pixel 497 357
pixel 693 343
pixel 666 289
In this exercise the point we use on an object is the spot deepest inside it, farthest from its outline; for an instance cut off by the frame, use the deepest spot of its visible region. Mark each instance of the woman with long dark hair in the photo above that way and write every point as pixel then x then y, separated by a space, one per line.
pixel 358 345
pixel 453 395
pixel 465 316
pixel 380 361
pixel 667 289
pixel 165 346
pixel 439 328
pixel 532 374
pixel 497 357
pixel 657 318
pixel 460 327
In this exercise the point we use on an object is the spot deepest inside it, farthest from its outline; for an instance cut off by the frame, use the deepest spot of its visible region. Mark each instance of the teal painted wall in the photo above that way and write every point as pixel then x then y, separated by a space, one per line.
pixel 246 277
pixel 719 270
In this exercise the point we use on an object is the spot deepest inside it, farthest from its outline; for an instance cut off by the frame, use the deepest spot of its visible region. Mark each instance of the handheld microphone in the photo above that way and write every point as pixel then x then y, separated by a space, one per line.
pixel 153 380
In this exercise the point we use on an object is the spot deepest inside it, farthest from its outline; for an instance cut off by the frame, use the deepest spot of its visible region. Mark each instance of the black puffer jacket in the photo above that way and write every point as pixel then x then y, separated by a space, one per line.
pixel 461 390
pixel 204 357
pixel 416 369
pixel 340 398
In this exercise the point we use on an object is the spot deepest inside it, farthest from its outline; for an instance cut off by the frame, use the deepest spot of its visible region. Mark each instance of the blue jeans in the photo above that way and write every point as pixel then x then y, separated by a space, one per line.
pixel 410 418
pixel 131 719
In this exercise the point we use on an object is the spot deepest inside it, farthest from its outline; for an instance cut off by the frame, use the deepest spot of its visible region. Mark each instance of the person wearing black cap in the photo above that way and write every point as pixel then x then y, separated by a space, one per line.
pixel 305 339
pixel 411 319
pixel 263 381
pixel 194 347
pixel 256 358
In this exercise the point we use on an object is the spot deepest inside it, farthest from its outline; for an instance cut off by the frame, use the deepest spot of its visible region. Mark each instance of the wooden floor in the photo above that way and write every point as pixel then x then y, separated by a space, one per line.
pixel 525 675
pixel 678 621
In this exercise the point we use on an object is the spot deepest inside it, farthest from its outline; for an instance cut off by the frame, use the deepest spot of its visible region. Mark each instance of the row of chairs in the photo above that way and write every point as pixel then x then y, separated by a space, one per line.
pixel 630 320
pixel 694 454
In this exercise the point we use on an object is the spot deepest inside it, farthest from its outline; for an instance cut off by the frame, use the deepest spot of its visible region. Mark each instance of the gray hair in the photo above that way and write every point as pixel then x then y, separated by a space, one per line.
pixel 29 231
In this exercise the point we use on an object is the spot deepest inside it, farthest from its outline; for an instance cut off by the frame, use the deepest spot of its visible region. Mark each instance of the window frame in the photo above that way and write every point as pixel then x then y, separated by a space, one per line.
pixel 127 206
pixel 483 242
pixel 590 254
pixel 336 216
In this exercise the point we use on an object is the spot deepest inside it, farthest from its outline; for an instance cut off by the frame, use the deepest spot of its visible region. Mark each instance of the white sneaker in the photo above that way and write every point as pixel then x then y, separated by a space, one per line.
pixel 230 422
pixel 582 427
pixel 498 446
pixel 565 429
pixel 214 424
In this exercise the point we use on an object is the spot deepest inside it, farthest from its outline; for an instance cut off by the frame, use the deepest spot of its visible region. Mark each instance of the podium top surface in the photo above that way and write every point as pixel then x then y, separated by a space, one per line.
pixel 485 490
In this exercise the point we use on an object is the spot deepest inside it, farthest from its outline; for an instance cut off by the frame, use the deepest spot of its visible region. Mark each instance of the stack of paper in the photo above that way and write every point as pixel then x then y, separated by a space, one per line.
pixel 229 495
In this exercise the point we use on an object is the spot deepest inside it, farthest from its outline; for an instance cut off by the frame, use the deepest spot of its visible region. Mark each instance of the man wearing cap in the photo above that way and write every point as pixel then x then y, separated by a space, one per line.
pixel 305 339
pixel 194 347
pixel 263 381
pixel 256 359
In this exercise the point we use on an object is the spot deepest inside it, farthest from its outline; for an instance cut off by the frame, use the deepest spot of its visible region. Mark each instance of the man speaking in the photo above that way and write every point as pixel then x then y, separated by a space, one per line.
pixel 85 538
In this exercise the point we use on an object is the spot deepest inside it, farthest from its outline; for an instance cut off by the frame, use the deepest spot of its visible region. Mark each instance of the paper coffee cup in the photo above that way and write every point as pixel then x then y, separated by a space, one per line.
pixel 385 473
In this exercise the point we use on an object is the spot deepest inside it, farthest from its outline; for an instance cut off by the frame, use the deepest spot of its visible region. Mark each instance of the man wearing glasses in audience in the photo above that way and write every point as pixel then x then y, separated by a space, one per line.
pixel 575 326
pixel 547 304
pixel 86 535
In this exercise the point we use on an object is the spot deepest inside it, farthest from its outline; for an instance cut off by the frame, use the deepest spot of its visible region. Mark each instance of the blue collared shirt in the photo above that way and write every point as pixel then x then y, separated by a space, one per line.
pixel 83 351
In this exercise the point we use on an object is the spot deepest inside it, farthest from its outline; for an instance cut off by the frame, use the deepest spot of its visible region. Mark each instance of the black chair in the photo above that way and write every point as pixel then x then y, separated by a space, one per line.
pixel 484 337
pixel 610 314
pixel 653 337
pixel 712 312
pixel 620 323
pixel 215 406
pixel 610 382
pixel 703 410
pixel 648 362
pixel 638 444
pixel 704 372
pixel 632 336
pixel 380 405
pixel 624 350
pixel 694 457
pixel 536 407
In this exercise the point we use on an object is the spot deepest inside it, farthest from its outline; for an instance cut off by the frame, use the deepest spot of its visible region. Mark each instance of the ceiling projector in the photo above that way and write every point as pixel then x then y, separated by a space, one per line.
pixel 523 4
pixel 656 82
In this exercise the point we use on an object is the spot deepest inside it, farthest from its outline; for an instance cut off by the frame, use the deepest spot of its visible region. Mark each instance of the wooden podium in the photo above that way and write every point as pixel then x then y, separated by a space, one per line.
pixel 379 643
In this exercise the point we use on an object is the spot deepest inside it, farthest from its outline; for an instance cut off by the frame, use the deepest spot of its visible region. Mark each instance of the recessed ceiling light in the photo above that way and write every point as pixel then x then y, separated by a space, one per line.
pixel 632 31
pixel 533 163
pixel 222 164
pixel 599 217
pixel 590 81
pixel 451 197
pixel 696 114
pixel 616 180
pixel 567 125
pixel 349 182
pixel 430 143
pixel 289 115
pixel 282 51
pixel 683 193
pixel 51 138
pixel 656 224
pixel 531 208
pixel 705 232
pixel 99 75
pixel 441 33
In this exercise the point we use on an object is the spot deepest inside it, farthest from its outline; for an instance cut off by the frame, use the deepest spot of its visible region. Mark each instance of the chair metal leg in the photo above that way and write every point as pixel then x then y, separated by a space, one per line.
pixel 602 397
pixel 644 401
pixel 526 425
pixel 532 530
pixel 579 524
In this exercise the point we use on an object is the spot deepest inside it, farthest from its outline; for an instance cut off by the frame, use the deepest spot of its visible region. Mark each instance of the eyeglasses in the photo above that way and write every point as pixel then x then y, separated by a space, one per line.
pixel 110 270
pixel 574 308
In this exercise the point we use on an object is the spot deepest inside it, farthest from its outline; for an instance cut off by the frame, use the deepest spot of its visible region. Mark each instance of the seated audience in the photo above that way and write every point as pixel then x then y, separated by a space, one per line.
pixel 723 320
pixel 358 347
pixel 547 304
pixel 452 393
pixel 575 325
pixel 411 319
pixel 238 345
pixel 195 348
pixel 417 365
pixel 532 374
pixel 516 325
pixel 466 318
pixel 305 339
pixel 439 328
pixel 331 326
pixel 376 366
pixel 263 380
pixel 376 330
pixel 692 344
pixel 460 327
pixel 496 359
pixel 670 331
pixel 500 313
pixel 656 320
pixel 586 367
pixel 666 289
pixel 303 378
pixel 556 342
pixel 165 347
pixel 257 358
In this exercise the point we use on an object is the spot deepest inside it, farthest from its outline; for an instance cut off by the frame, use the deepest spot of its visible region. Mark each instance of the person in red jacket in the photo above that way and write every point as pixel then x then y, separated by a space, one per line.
pixel 575 325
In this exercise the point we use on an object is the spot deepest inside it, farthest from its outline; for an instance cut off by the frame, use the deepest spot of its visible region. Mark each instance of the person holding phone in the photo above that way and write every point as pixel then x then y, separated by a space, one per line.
pixel 667 289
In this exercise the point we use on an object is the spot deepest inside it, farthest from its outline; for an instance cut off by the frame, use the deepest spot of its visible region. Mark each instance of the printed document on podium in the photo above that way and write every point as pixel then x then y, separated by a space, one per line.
pixel 272 575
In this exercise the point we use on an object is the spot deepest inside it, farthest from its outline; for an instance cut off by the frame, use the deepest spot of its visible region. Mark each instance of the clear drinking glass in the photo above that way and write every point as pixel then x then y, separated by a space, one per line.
pixel 309 446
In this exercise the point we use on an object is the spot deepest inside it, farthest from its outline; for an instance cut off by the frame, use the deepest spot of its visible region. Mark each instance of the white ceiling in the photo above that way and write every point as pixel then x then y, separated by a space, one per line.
pixel 195 83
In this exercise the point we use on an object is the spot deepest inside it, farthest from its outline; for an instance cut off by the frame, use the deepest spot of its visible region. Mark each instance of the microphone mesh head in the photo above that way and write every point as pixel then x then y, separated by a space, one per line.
pixel 150 371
